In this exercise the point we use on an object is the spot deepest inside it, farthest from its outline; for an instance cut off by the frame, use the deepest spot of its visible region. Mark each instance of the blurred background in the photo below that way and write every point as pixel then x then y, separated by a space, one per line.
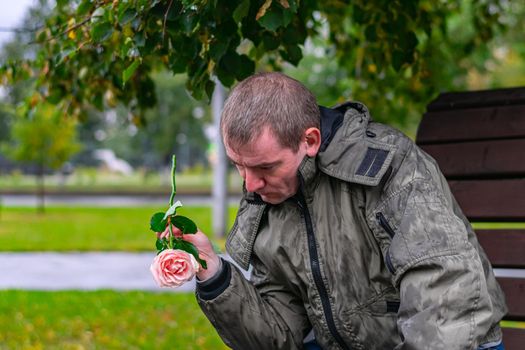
pixel 86 142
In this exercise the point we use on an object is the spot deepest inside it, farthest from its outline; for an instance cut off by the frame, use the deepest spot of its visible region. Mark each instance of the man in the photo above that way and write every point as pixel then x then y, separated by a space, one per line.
pixel 350 229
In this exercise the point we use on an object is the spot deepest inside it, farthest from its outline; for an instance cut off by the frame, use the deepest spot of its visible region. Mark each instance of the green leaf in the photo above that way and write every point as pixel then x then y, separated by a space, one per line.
pixel 161 244
pixel 62 3
pixel 185 224
pixel 293 54
pixel 98 15
pixel 84 7
pixel 218 48
pixel 241 11
pixel 224 76
pixel 139 39
pixel 172 210
pixel 270 40
pixel 209 87
pixel 245 68
pixel 101 32
pixel 128 72
pixel 287 17
pixel 190 248
pixel 359 14
pixel 41 36
pixel 234 65
pixel 66 54
pixel 127 16
pixel 294 35
pixel 189 23
pixel 157 222
pixel 398 59
pixel 55 95
pixel 370 33
pixel 177 64
pixel 410 41
pixel 272 20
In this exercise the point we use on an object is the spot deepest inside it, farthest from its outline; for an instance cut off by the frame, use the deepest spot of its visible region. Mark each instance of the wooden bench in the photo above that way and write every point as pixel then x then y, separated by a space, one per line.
pixel 478 139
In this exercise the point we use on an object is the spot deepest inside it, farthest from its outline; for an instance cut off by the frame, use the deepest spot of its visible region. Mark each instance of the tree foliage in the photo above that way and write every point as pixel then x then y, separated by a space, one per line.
pixel 90 52
pixel 174 126
pixel 44 138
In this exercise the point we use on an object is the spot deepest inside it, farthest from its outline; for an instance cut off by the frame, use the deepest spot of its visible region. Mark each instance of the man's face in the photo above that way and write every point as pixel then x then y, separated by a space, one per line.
pixel 267 168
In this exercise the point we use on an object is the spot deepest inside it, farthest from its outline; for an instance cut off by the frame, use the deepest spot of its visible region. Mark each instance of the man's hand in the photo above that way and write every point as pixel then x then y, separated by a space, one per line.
pixel 205 248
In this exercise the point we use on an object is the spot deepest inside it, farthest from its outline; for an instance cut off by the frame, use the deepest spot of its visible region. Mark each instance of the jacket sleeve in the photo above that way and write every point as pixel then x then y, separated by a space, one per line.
pixel 255 314
pixel 444 300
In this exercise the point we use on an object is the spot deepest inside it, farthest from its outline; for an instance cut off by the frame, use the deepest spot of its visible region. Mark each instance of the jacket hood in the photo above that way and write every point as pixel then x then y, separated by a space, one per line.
pixel 349 150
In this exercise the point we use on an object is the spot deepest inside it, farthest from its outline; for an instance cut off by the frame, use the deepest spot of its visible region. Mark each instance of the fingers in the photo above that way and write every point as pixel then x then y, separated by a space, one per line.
pixel 198 238
pixel 166 233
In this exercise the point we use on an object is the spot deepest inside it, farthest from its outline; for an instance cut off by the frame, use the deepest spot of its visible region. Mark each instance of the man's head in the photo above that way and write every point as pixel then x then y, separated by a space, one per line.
pixel 270 122
pixel 271 100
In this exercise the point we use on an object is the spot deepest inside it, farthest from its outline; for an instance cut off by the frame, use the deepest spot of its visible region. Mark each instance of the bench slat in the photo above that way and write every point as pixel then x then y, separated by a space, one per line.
pixel 468 99
pixel 513 338
pixel 491 200
pixel 472 124
pixel 499 158
pixel 505 248
pixel 514 289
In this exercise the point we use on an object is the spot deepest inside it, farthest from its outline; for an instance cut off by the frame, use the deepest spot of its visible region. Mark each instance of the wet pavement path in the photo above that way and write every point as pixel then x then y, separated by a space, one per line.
pixel 80 271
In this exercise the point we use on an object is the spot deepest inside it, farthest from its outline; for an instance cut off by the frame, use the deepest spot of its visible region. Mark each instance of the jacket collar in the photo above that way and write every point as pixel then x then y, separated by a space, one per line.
pixel 350 155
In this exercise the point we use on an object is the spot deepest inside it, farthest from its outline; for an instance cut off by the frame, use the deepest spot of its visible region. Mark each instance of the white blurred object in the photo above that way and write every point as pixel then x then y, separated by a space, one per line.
pixel 110 160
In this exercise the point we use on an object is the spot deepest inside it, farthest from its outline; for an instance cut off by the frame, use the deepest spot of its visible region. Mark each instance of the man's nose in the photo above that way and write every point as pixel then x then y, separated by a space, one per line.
pixel 253 182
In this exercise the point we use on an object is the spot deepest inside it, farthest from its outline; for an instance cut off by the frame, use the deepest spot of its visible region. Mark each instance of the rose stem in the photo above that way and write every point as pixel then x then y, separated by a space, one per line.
pixel 173 191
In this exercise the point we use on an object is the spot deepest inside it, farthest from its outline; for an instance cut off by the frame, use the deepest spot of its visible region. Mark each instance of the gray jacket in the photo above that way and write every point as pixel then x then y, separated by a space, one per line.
pixel 372 253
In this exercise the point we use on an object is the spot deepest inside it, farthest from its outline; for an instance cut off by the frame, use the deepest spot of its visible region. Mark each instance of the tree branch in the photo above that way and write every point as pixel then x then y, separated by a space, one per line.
pixel 166 19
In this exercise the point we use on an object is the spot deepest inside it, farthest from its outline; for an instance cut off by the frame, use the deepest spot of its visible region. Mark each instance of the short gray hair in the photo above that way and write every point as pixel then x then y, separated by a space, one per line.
pixel 271 100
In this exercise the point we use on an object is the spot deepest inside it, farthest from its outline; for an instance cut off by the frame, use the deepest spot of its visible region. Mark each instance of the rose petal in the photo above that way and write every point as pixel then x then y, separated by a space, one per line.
pixel 173 267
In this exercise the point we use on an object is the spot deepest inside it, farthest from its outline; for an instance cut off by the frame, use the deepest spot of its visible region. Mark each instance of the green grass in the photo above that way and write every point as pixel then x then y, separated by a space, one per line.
pixel 512 324
pixel 107 320
pixel 103 320
pixel 498 225
pixel 89 229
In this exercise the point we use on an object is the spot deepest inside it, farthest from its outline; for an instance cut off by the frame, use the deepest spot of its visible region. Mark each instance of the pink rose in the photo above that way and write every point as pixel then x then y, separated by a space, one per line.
pixel 173 267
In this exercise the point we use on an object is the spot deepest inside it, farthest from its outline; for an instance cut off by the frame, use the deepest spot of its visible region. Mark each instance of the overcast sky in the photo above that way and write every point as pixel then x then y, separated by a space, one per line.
pixel 11 14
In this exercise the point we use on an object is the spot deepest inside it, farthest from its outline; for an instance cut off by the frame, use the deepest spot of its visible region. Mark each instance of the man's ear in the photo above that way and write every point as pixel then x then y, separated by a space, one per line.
pixel 312 139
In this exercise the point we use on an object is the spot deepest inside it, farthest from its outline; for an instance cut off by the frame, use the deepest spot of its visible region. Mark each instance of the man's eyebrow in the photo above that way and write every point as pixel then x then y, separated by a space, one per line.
pixel 268 164
pixel 260 165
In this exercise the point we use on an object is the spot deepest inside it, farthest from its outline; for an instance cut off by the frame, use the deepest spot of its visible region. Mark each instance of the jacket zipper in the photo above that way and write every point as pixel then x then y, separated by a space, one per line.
pixel 316 272
pixel 383 222
pixel 385 225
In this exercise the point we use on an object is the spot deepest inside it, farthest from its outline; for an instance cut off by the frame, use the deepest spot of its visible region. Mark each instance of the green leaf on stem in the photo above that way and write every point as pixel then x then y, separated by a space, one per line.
pixel 172 210
pixel 190 248
pixel 186 225
pixel 161 244
pixel 158 222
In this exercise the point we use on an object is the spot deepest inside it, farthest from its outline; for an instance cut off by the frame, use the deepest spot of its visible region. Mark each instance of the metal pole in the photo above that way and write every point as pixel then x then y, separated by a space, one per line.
pixel 220 176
